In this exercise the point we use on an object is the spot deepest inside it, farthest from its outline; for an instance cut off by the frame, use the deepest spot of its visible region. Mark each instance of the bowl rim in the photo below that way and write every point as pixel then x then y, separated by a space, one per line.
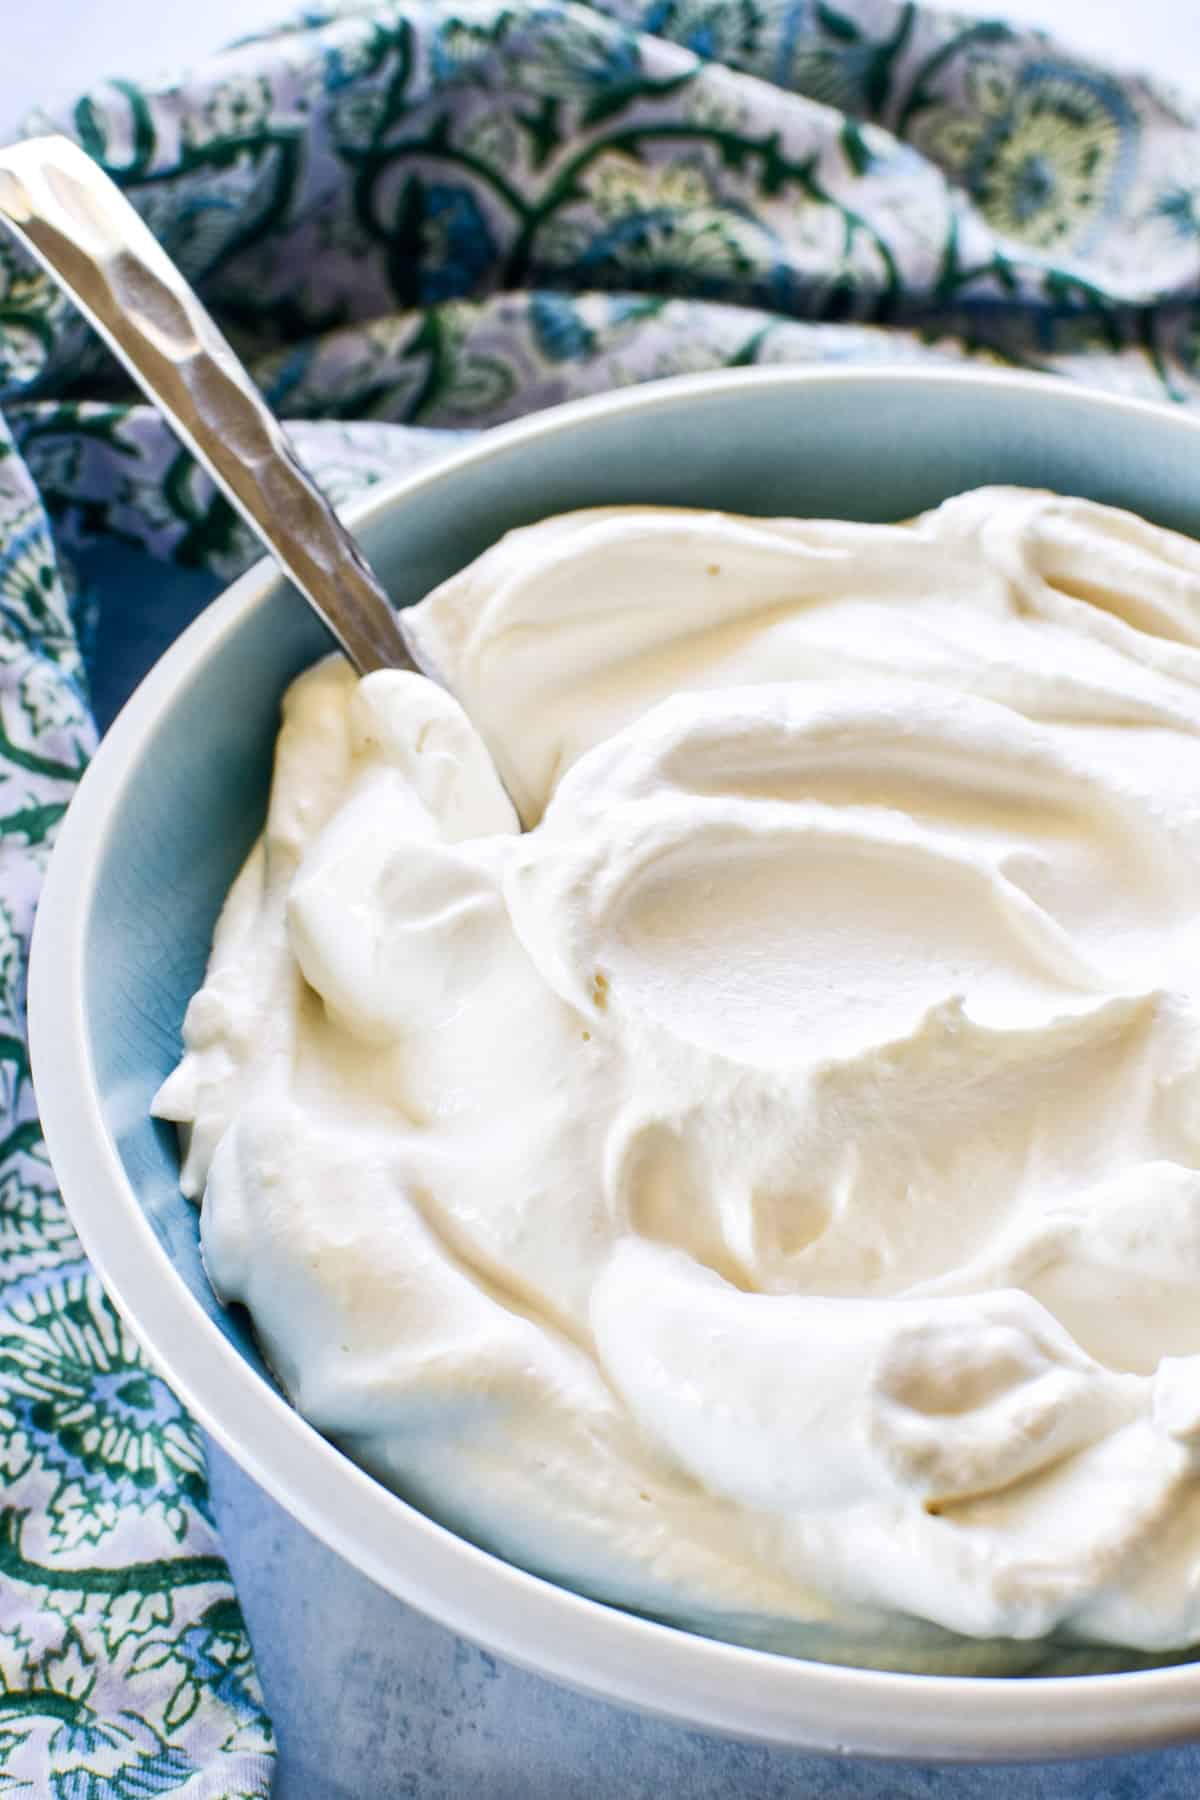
pixel 597 1648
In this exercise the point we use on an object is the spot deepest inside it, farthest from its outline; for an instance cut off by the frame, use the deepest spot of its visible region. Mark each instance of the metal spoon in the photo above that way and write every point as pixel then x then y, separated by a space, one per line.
pixel 82 229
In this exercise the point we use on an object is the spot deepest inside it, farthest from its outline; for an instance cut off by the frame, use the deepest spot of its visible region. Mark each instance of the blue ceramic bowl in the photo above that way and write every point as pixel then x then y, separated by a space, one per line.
pixel 175 797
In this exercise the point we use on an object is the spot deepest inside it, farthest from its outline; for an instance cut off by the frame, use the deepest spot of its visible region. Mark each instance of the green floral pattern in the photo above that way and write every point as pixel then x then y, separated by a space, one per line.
pixel 125 1670
pixel 419 219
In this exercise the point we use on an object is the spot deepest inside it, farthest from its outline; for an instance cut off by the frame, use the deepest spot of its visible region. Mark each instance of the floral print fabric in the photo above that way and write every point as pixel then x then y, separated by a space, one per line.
pixel 418 219
pixel 419 214
pixel 125 1670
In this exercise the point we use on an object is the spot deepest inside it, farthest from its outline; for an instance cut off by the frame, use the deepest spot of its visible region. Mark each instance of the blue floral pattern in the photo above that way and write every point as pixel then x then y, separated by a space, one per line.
pixel 418 218
pixel 125 1670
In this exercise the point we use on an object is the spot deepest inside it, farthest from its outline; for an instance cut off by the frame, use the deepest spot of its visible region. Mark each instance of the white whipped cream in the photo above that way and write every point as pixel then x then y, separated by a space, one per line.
pixel 765 1191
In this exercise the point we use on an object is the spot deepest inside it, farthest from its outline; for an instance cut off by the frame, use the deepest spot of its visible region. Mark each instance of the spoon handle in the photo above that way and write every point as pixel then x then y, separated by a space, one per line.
pixel 83 230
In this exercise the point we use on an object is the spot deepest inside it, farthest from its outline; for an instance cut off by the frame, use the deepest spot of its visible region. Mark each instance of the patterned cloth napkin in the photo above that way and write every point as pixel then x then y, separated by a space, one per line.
pixel 414 214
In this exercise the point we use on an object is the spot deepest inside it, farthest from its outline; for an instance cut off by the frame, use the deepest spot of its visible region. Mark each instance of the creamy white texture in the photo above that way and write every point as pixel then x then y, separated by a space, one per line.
pixel 765 1191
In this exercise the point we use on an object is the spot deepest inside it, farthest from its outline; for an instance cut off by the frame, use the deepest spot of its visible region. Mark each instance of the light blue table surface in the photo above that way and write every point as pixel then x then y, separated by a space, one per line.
pixel 371 1701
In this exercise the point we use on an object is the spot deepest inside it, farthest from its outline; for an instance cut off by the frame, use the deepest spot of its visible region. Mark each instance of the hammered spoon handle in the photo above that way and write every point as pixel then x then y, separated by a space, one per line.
pixel 84 231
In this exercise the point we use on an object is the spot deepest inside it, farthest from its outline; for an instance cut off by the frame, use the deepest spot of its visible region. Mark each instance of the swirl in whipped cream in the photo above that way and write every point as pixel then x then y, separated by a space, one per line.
pixel 764 1191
